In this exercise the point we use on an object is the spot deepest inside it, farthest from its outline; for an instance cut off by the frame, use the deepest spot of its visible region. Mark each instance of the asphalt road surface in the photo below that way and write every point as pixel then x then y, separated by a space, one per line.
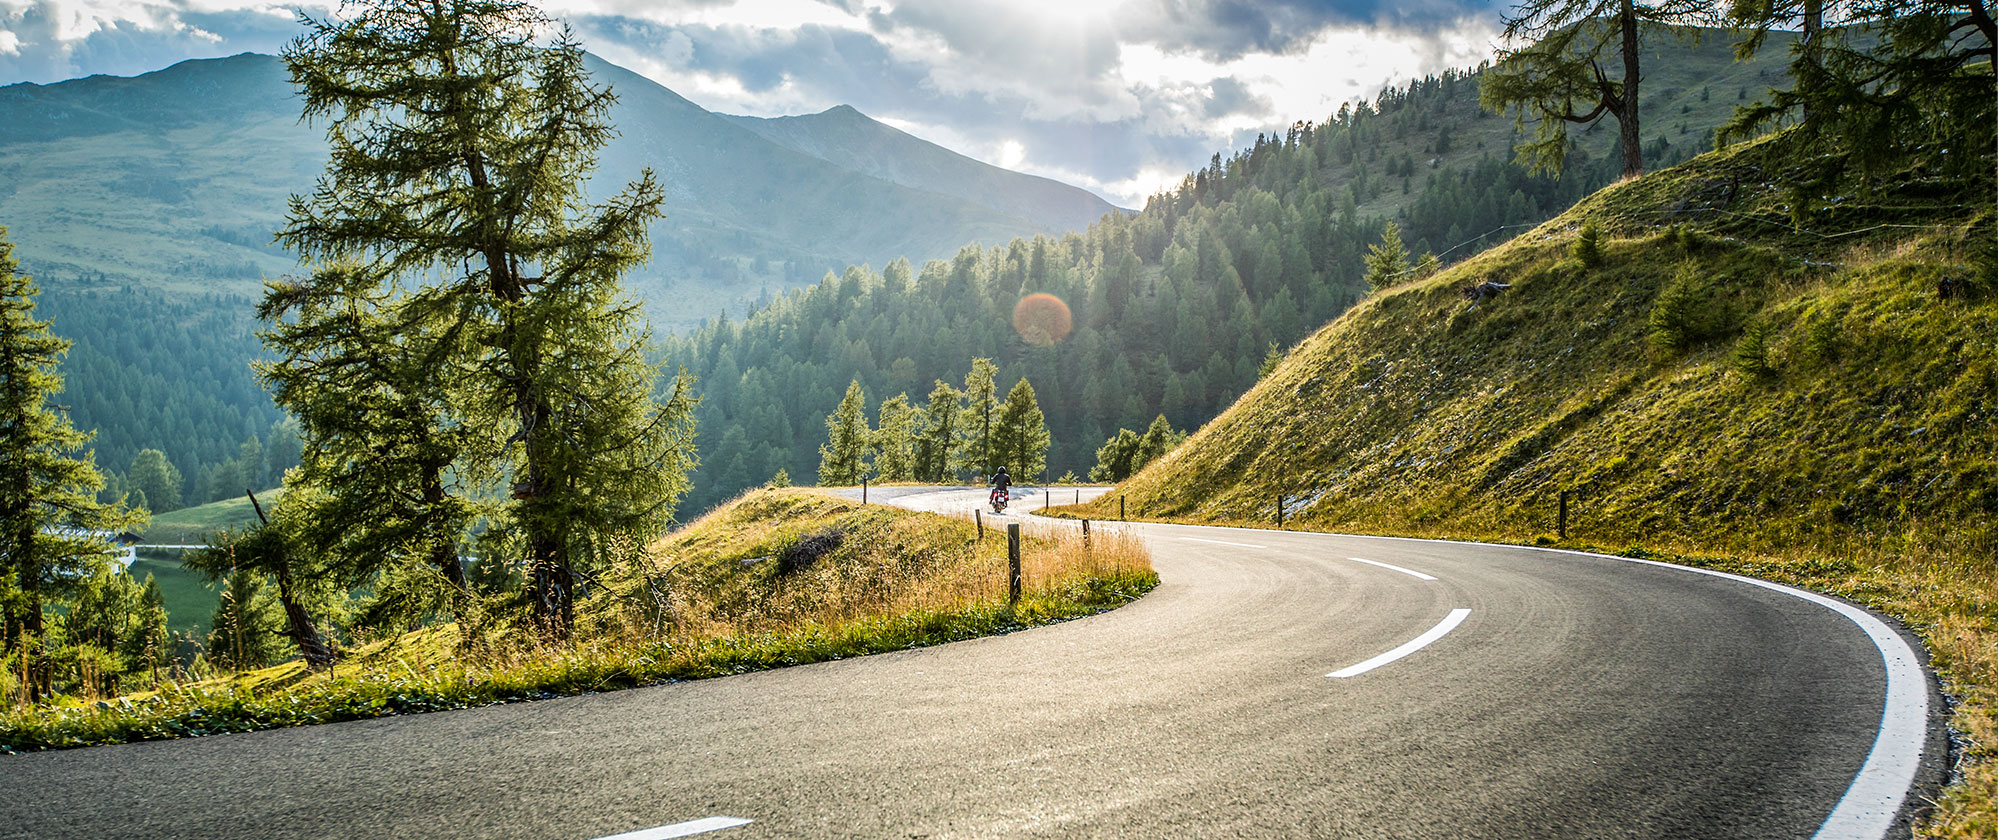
pixel 1274 685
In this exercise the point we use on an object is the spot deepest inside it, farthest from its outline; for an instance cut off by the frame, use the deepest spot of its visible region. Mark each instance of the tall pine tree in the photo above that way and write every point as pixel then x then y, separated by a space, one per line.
pixel 843 459
pixel 1020 434
pixel 52 527
pixel 1556 77
pixel 461 145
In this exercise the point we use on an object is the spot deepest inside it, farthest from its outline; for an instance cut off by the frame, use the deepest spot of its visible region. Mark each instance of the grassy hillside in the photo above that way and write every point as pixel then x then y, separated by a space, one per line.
pixel 195 524
pixel 1806 400
pixel 775 578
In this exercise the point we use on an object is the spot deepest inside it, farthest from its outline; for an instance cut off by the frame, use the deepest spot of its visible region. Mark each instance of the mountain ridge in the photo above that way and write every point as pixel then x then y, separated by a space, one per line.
pixel 841 133
pixel 177 177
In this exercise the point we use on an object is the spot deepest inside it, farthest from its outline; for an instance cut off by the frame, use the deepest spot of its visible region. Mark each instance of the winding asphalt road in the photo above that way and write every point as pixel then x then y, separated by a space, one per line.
pixel 1251 695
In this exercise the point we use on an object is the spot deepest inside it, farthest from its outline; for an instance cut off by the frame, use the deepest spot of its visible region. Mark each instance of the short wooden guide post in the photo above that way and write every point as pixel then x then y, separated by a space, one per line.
pixel 978 516
pixel 1120 510
pixel 1013 563
pixel 1561 520
pixel 863 491
pixel 1085 535
pixel 1279 510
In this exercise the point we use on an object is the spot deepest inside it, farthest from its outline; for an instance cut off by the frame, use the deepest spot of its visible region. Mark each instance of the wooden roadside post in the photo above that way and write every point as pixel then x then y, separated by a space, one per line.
pixel 1120 510
pixel 1013 564
pixel 978 516
pixel 1279 510
pixel 863 491
pixel 1561 517
pixel 1085 535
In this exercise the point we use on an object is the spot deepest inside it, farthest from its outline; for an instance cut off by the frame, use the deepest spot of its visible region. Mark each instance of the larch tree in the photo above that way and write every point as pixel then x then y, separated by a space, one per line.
pixel 843 458
pixel 1020 437
pixel 981 388
pixel 52 527
pixel 365 371
pixel 1387 262
pixel 937 436
pixel 1551 73
pixel 1919 86
pixel 894 439
pixel 155 476
pixel 463 133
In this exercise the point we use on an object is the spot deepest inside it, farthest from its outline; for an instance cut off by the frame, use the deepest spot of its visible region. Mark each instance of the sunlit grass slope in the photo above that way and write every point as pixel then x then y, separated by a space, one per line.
pixel 1807 401
pixel 775 578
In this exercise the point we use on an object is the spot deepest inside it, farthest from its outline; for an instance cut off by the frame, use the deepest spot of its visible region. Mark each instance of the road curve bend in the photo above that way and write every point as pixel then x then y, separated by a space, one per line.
pixel 1276 684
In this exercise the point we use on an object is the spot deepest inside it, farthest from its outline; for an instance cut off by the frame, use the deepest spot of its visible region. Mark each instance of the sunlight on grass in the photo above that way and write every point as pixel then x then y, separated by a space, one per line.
pixel 775 578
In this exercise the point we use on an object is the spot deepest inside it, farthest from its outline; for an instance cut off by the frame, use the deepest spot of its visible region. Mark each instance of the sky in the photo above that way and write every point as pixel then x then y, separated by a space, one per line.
pixel 1122 97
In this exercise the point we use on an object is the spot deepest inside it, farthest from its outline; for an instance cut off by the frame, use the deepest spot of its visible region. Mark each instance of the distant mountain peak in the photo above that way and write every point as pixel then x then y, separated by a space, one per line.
pixel 844 136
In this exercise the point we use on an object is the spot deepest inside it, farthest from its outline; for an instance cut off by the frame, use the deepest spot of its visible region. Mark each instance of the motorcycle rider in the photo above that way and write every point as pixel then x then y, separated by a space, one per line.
pixel 1001 484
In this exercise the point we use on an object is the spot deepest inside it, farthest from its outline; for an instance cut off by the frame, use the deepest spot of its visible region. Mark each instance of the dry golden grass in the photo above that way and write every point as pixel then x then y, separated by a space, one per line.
pixel 715 598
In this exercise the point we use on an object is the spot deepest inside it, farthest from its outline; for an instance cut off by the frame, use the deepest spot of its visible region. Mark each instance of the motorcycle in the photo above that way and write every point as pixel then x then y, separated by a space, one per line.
pixel 999 499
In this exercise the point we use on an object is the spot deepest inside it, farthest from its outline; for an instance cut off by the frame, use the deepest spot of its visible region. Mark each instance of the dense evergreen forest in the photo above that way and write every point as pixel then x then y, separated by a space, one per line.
pixel 152 370
pixel 1174 308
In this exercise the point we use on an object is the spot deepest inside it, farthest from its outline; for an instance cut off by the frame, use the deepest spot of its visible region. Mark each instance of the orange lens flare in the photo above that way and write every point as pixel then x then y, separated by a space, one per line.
pixel 1042 319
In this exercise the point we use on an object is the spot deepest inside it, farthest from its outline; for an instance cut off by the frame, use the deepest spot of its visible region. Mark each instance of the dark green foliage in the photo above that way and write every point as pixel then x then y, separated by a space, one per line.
pixel 1556 76
pixel 280 548
pixel 1020 434
pixel 1901 82
pixel 1128 452
pixel 461 149
pixel 843 460
pixel 1387 262
pixel 1588 246
pixel 895 439
pixel 1751 353
pixel 1683 313
pixel 52 528
pixel 156 477
pixel 1114 457
pixel 247 625
pixel 935 435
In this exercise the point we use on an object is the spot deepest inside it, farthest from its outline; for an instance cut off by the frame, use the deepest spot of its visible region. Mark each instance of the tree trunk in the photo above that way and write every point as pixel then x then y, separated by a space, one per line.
pixel 1633 144
pixel 444 548
pixel 1814 22
pixel 303 631
pixel 34 662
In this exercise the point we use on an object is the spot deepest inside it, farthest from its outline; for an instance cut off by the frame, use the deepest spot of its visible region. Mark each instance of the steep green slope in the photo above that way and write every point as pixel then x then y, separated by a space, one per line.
pixel 1811 403
pixel 1636 385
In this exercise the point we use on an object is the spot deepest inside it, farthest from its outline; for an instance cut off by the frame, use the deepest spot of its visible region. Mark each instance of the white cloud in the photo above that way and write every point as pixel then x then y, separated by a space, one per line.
pixel 10 44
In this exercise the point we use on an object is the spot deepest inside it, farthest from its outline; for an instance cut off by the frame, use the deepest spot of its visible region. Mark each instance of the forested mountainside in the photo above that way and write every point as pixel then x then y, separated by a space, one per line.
pixel 149 203
pixel 1174 309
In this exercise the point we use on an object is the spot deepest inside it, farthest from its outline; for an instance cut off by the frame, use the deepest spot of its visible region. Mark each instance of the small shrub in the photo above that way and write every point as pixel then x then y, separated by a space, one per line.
pixel 1588 246
pixel 1677 314
pixel 1751 353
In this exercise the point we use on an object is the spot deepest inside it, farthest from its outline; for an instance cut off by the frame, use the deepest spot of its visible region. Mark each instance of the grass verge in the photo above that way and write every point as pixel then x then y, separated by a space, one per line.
pixel 759 583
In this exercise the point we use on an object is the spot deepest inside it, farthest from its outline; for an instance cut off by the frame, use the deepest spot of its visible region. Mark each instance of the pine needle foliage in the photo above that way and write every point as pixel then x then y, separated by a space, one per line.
pixel 1552 73
pixel 1387 261
pixel 462 134
pixel 843 458
pixel 51 524
pixel 1020 434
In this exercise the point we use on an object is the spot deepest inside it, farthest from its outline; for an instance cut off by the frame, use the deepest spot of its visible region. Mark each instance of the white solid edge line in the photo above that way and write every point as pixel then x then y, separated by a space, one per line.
pixel 685 829
pixel 1222 542
pixel 1448 624
pixel 1880 788
pixel 1874 799
pixel 1410 572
